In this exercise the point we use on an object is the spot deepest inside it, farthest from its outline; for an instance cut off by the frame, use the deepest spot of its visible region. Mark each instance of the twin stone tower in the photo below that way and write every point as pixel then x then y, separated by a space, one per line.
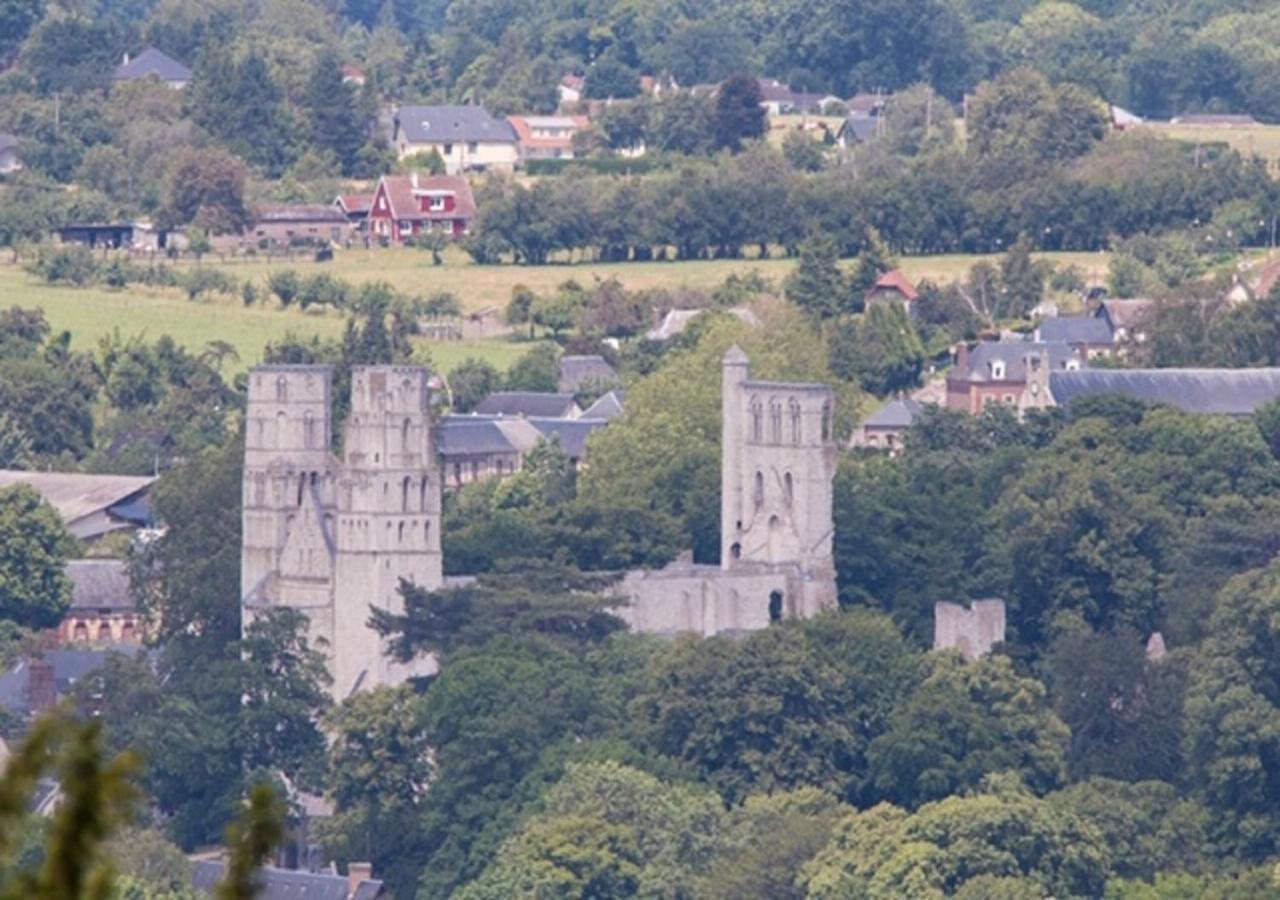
pixel 332 537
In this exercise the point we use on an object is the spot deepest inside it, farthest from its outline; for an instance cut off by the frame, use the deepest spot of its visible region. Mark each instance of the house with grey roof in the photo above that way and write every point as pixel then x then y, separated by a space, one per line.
pixel 529 403
pixel 102 609
pixel 607 406
pixel 153 63
pixel 585 371
pixel 10 161
pixel 90 505
pixel 885 428
pixel 1089 335
pixel 1127 319
pixel 476 447
pixel 1224 392
pixel 467 138
pixel 997 372
pixel 295 884
pixel 572 434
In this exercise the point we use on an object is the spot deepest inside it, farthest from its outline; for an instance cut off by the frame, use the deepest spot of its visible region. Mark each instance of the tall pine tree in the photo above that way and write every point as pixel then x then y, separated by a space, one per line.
pixel 333 115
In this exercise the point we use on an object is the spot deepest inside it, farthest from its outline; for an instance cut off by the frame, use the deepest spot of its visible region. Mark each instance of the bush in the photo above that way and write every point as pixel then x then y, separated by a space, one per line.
pixel 68 264
pixel 284 284
pixel 322 290
pixel 201 281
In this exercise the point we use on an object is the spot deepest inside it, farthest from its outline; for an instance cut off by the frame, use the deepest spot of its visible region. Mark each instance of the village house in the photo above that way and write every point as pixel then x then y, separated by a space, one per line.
pixel 356 208
pixel 102 610
pixel 141 236
pixel 10 161
pixel 467 138
pixel 91 506
pixel 1127 319
pixel 294 884
pixel 408 205
pixel 587 371
pixel 477 447
pixel 1090 336
pixel 855 130
pixel 153 63
pixel 529 404
pixel 885 428
pixel 892 286
pixel 546 137
pixel 569 91
pixel 286 225
pixel 996 372
pixel 1224 392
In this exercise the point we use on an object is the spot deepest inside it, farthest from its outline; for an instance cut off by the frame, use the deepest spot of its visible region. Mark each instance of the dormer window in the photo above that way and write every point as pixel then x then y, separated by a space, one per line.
pixel 997 370
pixel 1072 365
pixel 437 203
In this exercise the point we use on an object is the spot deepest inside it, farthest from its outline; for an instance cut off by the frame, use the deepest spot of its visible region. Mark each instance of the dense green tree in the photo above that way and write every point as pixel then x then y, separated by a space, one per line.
pixel 206 189
pixel 880 349
pixel 538 370
pixel 610 77
pixel 1124 710
pixel 738 115
pixel 34 590
pixel 470 382
pixel 1004 831
pixel 816 284
pixel 336 123
pixel 967 720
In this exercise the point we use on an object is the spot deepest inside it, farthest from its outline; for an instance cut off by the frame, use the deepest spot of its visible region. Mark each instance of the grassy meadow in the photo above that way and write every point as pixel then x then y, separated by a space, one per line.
pixel 90 313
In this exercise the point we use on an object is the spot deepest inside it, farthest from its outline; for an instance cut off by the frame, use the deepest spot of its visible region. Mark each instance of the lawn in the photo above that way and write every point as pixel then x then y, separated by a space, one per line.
pixel 481 287
pixel 90 313
pixel 1248 140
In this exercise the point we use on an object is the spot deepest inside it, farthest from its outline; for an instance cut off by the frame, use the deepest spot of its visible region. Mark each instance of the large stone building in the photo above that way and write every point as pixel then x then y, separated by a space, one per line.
pixel 332 537
pixel 778 460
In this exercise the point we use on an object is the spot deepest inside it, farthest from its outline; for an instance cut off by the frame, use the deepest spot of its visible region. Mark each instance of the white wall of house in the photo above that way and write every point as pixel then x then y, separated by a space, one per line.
pixel 465 156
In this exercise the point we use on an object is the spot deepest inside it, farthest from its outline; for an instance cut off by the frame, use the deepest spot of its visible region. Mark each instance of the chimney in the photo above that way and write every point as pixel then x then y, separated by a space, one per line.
pixel 357 873
pixel 413 179
pixel 962 357
pixel 125 61
pixel 42 691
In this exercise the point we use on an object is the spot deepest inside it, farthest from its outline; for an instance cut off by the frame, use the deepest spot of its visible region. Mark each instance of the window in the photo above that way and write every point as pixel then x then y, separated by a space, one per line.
pixel 282 389
pixel 757 420
pixel 308 429
pixel 405 435
pixel 775 606
pixel 104 632
pixel 382 203
pixel 997 370
pixel 457 473
pixel 404 494
pixel 787 488
pixel 472 147
pixel 448 149
pixel 758 494
pixel 795 420
pixel 826 421
pixel 775 421
pixel 437 203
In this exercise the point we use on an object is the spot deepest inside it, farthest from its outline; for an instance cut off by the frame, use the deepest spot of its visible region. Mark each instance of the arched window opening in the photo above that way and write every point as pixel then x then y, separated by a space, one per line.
pixel 757 420
pixel 775 422
pixel 404 494
pixel 422 495
pixel 308 429
pixel 282 388
pixel 735 551
pixel 795 421
pixel 758 494
pixel 126 631
pixel 826 421
pixel 400 533
pixel 302 484
pixel 775 606
pixel 282 428
pixel 405 429
pixel 80 632
pixel 104 632
pixel 787 490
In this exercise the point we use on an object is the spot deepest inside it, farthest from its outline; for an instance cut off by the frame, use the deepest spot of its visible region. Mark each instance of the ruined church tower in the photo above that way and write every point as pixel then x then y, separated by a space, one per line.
pixel 332 538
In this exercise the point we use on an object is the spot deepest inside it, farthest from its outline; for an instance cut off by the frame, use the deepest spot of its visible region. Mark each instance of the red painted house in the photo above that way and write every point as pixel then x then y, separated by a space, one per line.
pixel 407 205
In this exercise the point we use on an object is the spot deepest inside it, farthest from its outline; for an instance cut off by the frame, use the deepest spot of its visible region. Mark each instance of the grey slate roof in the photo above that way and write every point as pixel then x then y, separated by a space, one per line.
pixel 153 62
pixel 858 128
pixel 1231 392
pixel 467 436
pixel 99 584
pixel 288 884
pixel 435 124
pixel 573 433
pixel 899 413
pixel 527 403
pixel 1075 330
pixel 69 666
pixel 577 370
pixel 1013 354
pixel 607 406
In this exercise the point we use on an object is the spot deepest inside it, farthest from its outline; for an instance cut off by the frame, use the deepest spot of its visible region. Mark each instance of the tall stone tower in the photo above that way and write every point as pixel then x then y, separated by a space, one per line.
pixel 779 457
pixel 389 522
pixel 329 538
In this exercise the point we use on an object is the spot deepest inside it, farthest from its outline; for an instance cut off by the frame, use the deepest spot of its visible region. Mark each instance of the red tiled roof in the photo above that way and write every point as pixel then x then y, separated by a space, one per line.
pixel 403 191
pixel 524 126
pixel 355 202
pixel 895 281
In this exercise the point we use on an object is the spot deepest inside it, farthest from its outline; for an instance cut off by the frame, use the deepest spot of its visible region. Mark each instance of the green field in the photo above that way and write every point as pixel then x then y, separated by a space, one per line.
pixel 1248 140
pixel 90 313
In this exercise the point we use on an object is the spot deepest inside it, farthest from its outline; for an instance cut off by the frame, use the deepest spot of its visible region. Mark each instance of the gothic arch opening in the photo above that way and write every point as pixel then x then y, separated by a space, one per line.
pixel 787 489
pixel 775 606
pixel 758 491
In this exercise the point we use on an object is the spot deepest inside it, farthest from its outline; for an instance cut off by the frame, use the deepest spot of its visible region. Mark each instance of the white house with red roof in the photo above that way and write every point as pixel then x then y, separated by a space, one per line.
pixel 893 285
pixel 408 205
pixel 546 137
